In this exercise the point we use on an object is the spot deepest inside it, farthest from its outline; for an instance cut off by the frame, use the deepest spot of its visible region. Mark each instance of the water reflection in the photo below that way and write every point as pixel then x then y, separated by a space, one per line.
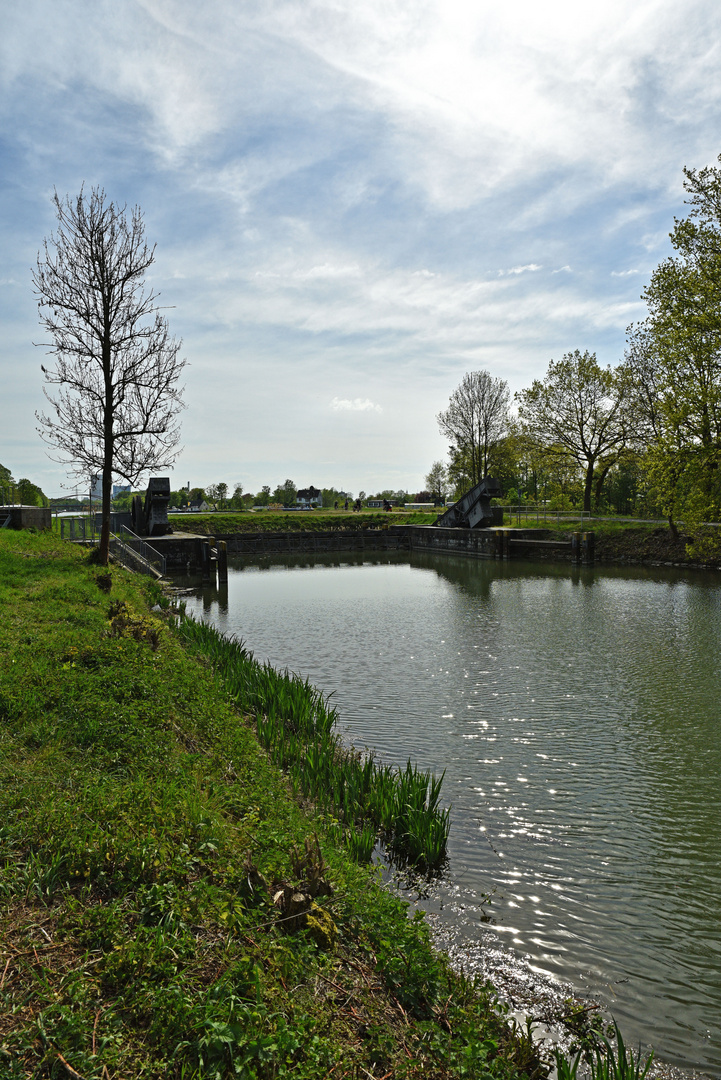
pixel 574 711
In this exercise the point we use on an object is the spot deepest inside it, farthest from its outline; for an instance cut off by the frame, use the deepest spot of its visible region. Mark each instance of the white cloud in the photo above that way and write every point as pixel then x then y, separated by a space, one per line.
pixel 354 405
pixel 528 268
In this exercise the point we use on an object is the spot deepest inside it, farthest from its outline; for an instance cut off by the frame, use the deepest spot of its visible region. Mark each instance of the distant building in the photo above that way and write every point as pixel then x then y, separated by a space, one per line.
pixel 120 489
pixel 309 497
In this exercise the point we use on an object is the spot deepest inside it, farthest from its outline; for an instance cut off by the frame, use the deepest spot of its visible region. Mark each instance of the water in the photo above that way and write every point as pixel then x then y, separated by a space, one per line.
pixel 576 714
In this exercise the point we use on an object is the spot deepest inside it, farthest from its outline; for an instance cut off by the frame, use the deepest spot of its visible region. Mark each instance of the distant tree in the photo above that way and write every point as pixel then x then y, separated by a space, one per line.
pixel 330 496
pixel 123 501
pixel 578 412
pixel 196 495
pixel 29 494
pixel 222 495
pixel 476 419
pixel 237 498
pixel 7 485
pixel 117 368
pixel 263 496
pixel 437 480
pixel 286 494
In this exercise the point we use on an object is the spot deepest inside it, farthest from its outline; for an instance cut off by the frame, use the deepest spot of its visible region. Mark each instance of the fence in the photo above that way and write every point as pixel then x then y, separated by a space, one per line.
pixel 78 528
pixel 127 547
pixel 529 512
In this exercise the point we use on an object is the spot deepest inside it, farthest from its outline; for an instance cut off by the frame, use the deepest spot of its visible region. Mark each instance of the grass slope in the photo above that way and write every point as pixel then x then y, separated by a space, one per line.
pixel 145 841
pixel 222 523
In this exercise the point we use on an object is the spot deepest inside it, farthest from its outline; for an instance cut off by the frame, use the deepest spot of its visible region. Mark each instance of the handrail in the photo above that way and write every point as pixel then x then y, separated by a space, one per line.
pixel 137 544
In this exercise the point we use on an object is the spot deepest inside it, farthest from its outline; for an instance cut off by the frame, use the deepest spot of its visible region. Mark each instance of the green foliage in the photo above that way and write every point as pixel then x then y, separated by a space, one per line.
pixel 20 491
pixel 577 413
pixel 295 724
pixel 297 521
pixel 606 1062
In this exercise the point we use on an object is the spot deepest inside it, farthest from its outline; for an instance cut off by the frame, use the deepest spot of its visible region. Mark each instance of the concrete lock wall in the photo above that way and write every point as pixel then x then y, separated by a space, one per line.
pixel 26 517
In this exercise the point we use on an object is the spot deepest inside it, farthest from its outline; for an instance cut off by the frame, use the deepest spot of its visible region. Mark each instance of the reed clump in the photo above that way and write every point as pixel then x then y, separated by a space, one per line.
pixel 296 725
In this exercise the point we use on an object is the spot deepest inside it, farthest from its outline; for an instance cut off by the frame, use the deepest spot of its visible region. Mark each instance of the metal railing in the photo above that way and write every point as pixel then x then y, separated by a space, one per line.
pixel 526 512
pixel 145 551
pixel 78 528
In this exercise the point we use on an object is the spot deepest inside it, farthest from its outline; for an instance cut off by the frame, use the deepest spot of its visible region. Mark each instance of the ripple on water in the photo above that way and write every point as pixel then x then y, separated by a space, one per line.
pixel 575 714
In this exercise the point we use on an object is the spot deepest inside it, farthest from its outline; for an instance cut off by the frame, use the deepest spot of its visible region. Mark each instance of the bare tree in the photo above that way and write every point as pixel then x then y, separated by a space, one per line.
pixel 476 419
pixel 116 366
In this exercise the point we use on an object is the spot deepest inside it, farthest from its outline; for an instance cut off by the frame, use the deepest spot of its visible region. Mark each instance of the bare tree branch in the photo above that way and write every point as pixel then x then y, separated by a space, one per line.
pixel 116 366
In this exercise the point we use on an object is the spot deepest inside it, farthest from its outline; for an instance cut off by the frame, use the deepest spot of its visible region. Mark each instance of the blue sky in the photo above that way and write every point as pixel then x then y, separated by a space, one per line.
pixel 353 203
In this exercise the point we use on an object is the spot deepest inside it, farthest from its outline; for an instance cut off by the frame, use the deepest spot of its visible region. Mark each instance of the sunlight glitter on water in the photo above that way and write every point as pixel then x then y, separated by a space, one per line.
pixel 575 713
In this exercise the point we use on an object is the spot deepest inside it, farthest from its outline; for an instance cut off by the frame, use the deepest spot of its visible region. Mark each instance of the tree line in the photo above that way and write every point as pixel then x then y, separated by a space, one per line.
pixel 643 437
pixel 22 491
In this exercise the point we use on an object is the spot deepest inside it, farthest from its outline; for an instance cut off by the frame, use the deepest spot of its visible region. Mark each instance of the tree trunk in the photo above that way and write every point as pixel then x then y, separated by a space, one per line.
pixel 588 487
pixel 104 552
pixel 599 484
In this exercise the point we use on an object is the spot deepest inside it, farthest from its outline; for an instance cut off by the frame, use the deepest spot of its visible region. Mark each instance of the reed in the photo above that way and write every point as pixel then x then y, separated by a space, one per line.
pixel 295 723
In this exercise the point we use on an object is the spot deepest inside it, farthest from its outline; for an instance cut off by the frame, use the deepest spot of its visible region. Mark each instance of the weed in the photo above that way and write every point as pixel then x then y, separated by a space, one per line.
pixel 295 723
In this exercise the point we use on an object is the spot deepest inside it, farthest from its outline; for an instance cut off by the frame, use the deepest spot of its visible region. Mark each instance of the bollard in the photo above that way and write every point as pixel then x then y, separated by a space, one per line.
pixel 588 548
pixel 576 547
pixel 205 561
pixel 222 562
pixel 498 536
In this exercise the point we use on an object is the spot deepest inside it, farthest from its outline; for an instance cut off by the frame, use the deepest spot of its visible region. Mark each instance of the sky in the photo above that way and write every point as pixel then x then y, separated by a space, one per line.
pixel 354 203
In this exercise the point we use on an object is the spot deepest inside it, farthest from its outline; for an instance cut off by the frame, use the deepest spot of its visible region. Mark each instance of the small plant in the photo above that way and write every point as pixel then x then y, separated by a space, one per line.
pixel 125 623
pixel 606 1063
pixel 587 1026
pixel 104 582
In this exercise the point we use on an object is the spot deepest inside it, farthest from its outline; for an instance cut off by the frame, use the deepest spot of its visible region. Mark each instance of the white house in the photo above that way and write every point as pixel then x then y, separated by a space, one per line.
pixel 309 497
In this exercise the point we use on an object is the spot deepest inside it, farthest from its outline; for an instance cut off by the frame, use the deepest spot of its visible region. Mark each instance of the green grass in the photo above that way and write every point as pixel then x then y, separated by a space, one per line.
pixel 222 523
pixel 169 907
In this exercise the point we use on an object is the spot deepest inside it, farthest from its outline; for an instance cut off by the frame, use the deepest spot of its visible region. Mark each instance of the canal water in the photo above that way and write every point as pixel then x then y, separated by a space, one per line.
pixel 576 713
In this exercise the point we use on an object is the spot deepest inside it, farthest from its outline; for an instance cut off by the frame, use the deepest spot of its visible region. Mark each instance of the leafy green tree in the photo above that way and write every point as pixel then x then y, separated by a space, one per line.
pixel 578 413
pixel 674 361
pixel 29 494
pixel 222 495
pixel 6 485
pixel 263 496
pixel 236 500
pixel 437 480
pixel 286 493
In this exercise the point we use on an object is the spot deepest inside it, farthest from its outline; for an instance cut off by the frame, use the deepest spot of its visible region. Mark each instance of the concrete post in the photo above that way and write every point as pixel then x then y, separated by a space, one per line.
pixel 222 562
pixel 498 536
pixel 588 548
pixel 576 547
pixel 205 561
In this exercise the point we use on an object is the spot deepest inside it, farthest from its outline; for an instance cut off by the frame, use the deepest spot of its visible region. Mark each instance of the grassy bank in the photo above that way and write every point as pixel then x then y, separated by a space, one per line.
pixel 635 542
pixel 295 521
pixel 168 906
